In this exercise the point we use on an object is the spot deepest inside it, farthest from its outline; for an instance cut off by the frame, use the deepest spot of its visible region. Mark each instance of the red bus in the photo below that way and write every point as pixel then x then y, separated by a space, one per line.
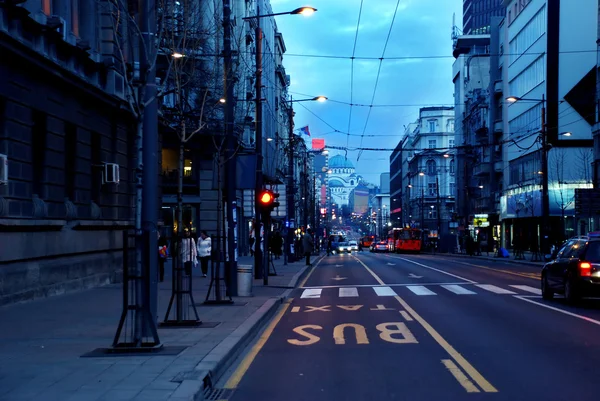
pixel 365 242
pixel 405 240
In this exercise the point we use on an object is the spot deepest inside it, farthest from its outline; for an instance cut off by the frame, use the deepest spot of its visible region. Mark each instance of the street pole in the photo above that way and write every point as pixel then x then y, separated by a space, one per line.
pixel 305 211
pixel 150 159
pixel 423 212
pixel 290 185
pixel 230 167
pixel 258 268
pixel 439 212
pixel 545 198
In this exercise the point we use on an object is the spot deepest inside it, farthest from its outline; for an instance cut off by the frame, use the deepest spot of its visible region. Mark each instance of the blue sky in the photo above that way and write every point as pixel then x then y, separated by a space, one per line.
pixel 420 28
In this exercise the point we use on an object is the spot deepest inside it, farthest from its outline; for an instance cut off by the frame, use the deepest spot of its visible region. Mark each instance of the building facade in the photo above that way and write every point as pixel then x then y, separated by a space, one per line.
pixel 342 180
pixel 67 146
pixel 431 171
pixel 477 15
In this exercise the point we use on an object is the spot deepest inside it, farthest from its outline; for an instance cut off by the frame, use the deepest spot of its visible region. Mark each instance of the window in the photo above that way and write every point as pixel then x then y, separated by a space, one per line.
pixel 432 213
pixel 452 189
pixel 431 167
pixel 529 78
pixel 450 143
pixel 70 160
pixel 450 127
pixel 431 125
pixel 452 166
pixel 432 144
pixel 531 120
pixel 432 189
pixel 38 151
pixel 530 33
pixel 95 162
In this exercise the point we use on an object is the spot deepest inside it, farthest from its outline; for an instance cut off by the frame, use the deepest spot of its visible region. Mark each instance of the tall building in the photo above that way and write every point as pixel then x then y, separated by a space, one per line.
pixel 477 15
pixel 550 70
pixel 342 180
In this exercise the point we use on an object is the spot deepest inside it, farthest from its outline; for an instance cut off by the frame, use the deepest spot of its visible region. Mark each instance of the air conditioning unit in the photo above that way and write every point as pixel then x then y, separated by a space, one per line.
pixel 58 24
pixel 3 170
pixel 110 175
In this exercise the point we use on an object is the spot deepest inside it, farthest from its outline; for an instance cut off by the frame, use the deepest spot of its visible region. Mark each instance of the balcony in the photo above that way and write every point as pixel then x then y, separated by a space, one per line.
pixel 481 169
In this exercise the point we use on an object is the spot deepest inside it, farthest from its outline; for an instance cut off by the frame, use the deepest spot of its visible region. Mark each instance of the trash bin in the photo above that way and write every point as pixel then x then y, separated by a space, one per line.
pixel 244 280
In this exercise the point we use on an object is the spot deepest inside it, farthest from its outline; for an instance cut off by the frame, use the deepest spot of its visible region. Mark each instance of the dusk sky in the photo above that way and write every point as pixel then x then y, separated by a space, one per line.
pixel 420 75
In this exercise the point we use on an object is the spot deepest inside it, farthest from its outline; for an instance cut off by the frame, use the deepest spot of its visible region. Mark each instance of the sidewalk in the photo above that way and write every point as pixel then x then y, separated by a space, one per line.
pixel 42 341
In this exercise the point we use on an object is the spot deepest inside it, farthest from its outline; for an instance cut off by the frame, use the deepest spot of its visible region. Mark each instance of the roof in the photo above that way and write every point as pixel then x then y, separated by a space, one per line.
pixel 340 161
pixel 335 182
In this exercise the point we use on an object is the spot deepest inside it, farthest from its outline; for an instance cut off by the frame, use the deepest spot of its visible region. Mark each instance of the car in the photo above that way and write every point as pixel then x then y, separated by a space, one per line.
pixel 344 247
pixel 574 270
pixel 353 245
pixel 379 246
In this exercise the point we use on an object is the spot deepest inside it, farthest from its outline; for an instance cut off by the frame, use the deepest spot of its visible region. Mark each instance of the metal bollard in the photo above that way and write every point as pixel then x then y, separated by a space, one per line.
pixel 244 280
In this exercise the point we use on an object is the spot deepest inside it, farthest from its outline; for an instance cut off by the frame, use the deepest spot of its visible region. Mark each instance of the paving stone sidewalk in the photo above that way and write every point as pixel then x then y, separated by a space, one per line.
pixel 42 341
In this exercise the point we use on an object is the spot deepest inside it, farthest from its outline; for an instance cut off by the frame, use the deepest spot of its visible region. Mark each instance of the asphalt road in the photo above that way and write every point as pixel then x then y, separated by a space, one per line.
pixel 422 327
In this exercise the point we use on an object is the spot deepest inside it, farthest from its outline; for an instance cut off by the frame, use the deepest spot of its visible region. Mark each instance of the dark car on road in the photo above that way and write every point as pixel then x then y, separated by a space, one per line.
pixel 574 270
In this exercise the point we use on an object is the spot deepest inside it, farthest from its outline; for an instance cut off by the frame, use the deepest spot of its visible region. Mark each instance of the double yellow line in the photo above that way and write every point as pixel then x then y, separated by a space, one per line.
pixel 458 374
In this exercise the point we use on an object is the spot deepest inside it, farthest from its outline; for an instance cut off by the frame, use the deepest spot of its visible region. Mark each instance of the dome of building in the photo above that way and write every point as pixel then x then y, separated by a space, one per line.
pixel 340 161
pixel 333 183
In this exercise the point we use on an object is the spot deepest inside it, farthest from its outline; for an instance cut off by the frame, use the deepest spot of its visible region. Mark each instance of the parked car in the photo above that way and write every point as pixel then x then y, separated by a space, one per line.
pixel 574 270
pixel 344 247
pixel 379 246
pixel 353 245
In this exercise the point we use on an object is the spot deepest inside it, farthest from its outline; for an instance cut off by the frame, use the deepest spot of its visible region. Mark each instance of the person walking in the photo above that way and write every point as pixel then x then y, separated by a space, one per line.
pixel 307 246
pixel 204 251
pixel 163 246
pixel 188 251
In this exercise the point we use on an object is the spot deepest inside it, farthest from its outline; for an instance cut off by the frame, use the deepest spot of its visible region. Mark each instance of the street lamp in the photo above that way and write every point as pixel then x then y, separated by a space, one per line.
pixel 258 257
pixel 544 172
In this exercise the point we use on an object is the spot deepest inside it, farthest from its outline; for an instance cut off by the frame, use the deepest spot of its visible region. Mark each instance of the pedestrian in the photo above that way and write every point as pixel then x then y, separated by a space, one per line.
pixel 163 254
pixel 188 251
pixel 329 246
pixel 277 245
pixel 204 251
pixel 307 246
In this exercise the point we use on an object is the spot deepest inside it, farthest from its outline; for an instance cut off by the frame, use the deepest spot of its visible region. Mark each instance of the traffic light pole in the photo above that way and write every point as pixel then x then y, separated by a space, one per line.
pixel 258 268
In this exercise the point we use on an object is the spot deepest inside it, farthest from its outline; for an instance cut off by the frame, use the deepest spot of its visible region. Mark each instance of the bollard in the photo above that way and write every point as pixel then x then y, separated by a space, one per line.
pixel 244 280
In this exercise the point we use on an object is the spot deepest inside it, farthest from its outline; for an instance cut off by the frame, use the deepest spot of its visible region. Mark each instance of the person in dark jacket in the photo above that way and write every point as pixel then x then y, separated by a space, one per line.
pixel 307 246
pixel 163 246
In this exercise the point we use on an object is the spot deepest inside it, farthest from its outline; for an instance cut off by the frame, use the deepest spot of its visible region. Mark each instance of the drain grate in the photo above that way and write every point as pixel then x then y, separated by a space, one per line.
pixel 218 394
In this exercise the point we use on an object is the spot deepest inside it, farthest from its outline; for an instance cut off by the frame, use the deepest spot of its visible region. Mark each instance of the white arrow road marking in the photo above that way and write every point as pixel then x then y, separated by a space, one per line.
pixel 338 278
pixel 411 275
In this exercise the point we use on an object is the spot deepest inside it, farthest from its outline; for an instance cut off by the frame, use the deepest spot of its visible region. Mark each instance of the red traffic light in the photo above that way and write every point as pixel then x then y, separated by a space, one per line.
pixel 266 197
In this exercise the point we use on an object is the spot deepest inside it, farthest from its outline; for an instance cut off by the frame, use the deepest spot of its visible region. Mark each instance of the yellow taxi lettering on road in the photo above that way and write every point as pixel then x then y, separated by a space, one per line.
pixel 388 330
pixel 324 308
pixel 381 307
pixel 295 309
pixel 350 307
pixel 359 331
pixel 311 338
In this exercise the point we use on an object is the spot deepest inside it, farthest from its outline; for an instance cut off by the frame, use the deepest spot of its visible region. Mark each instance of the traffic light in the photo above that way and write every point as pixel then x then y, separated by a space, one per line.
pixel 267 200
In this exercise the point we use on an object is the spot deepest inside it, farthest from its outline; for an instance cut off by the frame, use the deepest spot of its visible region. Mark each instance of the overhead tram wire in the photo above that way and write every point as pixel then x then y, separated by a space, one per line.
pixel 387 39
pixel 352 72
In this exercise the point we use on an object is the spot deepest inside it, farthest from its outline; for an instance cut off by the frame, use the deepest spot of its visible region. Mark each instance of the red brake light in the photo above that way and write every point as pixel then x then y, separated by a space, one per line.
pixel 585 269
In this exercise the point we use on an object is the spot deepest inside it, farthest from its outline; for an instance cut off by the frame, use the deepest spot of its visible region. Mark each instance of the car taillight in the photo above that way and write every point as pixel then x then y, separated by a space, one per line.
pixel 585 269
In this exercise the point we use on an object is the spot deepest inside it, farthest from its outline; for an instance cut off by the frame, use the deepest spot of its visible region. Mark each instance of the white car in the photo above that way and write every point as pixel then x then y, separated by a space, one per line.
pixel 353 245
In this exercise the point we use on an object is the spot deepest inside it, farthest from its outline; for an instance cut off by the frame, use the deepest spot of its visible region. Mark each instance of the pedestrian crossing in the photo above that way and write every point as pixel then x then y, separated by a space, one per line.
pixel 420 290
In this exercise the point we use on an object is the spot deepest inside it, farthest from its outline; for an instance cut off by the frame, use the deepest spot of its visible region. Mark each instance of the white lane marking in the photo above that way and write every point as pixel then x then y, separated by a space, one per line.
pixel 527 288
pixel 377 285
pixel 348 292
pixel 384 292
pixel 494 289
pixel 437 270
pixel 311 293
pixel 457 289
pixel 420 290
pixel 587 319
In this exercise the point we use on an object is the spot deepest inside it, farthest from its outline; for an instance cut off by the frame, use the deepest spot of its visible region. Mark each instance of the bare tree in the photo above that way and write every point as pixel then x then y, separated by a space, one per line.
pixel 564 200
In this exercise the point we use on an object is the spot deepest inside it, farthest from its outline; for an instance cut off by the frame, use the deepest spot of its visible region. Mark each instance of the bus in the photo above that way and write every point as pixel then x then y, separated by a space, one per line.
pixel 405 240
pixel 366 241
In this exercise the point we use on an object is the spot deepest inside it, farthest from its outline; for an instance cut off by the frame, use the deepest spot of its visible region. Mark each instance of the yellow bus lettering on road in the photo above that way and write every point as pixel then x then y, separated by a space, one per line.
pixel 359 331
pixel 324 308
pixel 311 338
pixel 388 330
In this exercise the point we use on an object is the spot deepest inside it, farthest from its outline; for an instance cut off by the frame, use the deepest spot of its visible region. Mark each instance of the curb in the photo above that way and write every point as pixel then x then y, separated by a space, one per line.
pixel 208 371
pixel 507 260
